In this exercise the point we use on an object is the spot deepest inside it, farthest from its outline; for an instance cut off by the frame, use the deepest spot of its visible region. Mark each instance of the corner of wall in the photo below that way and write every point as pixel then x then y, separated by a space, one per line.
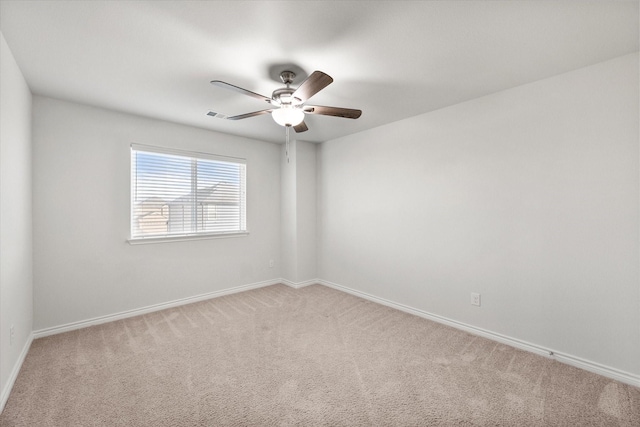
pixel 16 228
pixel 298 212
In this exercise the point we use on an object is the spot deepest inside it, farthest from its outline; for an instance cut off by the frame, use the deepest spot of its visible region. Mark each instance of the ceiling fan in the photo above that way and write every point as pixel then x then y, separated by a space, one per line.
pixel 287 104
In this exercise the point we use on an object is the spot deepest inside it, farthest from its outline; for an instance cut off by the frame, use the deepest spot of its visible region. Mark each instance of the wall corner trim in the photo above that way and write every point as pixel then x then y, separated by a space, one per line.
pixel 6 391
pixel 587 365
pixel 298 285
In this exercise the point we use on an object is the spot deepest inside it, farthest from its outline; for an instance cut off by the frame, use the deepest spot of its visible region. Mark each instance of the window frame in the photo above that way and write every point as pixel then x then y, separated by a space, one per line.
pixel 187 236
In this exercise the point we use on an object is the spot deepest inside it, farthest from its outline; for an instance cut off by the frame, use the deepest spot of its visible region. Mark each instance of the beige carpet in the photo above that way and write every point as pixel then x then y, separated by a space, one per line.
pixel 310 357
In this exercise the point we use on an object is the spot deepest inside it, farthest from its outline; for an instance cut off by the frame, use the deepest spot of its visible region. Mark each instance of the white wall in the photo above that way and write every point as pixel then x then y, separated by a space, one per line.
pixel 529 196
pixel 83 265
pixel 299 212
pixel 16 280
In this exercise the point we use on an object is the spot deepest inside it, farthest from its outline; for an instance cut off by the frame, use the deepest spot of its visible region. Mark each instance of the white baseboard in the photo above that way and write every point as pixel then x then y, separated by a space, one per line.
pixel 298 285
pixel 578 362
pixel 605 371
pixel 6 391
pixel 149 309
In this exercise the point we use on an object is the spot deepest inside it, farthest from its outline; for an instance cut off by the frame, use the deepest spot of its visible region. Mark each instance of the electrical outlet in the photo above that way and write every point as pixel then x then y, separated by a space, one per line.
pixel 475 299
pixel 11 334
pixel 271 263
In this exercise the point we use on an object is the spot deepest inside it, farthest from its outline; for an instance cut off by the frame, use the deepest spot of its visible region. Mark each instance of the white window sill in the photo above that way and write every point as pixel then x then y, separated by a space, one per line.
pixel 184 238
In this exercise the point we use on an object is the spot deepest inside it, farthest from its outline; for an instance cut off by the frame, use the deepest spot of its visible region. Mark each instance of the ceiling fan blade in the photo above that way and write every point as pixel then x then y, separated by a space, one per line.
pixel 240 116
pixel 347 113
pixel 302 127
pixel 312 85
pixel 226 85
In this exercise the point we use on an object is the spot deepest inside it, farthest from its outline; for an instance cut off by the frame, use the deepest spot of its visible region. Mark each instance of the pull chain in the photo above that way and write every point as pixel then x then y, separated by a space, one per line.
pixel 287 143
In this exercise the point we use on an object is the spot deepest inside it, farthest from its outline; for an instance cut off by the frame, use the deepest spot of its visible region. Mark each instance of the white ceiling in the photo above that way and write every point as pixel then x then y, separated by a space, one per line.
pixel 391 59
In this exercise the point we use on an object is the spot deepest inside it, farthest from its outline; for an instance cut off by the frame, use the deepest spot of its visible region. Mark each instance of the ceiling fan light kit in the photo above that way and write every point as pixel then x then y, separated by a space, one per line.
pixel 288 115
pixel 288 103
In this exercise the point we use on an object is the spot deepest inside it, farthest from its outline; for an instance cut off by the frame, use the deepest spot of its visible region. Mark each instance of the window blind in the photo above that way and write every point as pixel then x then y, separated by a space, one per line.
pixel 175 193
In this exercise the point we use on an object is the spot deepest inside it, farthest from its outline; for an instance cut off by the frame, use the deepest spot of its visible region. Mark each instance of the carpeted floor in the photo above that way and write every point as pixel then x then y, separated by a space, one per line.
pixel 310 357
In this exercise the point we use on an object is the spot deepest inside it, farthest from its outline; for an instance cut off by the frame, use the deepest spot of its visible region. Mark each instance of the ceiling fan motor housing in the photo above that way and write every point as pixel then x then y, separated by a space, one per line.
pixel 283 96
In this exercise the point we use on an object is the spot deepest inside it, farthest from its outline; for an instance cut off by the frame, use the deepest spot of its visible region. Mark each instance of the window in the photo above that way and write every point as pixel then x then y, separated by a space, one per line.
pixel 178 194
